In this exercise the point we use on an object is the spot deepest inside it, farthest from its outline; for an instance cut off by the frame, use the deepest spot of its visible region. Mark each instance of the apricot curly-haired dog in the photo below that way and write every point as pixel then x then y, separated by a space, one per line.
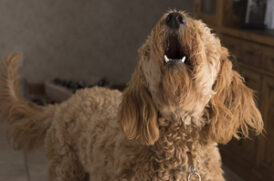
pixel 182 100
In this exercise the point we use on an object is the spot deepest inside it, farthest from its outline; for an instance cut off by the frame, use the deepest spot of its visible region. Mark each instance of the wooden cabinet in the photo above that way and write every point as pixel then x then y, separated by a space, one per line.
pixel 207 9
pixel 268 114
pixel 252 159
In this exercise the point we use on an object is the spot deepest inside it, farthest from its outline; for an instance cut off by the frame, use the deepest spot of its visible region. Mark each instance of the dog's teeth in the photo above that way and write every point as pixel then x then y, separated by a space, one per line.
pixel 183 59
pixel 166 59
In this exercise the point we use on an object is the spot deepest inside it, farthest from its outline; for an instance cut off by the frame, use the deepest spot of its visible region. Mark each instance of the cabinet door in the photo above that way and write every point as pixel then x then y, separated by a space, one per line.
pixel 207 11
pixel 268 62
pixel 268 116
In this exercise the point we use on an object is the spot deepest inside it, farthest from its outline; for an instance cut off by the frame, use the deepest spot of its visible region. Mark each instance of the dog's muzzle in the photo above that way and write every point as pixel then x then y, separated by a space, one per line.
pixel 174 53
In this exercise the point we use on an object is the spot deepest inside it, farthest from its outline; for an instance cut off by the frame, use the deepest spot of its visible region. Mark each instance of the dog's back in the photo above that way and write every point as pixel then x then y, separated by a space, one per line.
pixel 76 132
pixel 85 132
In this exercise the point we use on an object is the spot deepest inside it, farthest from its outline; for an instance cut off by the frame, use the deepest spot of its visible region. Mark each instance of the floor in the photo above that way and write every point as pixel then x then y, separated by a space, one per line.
pixel 13 167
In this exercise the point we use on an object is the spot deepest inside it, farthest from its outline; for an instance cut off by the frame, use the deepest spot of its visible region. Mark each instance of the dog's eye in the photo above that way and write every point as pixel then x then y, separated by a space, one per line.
pixel 146 52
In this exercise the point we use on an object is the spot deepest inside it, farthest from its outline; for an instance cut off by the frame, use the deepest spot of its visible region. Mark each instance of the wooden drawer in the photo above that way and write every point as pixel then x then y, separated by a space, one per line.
pixel 232 44
pixel 250 54
pixel 253 80
pixel 268 59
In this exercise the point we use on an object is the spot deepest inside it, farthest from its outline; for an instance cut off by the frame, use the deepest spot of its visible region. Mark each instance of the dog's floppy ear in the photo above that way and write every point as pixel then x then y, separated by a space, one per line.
pixel 233 110
pixel 138 114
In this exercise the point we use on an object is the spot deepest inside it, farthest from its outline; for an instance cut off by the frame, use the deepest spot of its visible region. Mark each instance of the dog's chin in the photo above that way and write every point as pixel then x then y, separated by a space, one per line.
pixel 175 84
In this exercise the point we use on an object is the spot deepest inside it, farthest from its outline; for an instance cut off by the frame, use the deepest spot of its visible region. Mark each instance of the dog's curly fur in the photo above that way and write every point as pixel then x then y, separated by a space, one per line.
pixel 169 118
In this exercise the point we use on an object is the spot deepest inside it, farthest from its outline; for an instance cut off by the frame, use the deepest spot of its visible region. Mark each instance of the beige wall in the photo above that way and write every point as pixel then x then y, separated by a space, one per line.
pixel 79 38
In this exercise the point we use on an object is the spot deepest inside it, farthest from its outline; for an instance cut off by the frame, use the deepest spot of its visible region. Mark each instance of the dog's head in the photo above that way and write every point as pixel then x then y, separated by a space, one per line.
pixel 184 71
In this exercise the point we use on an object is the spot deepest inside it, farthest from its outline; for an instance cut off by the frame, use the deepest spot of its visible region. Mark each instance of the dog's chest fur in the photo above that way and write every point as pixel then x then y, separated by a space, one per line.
pixel 171 157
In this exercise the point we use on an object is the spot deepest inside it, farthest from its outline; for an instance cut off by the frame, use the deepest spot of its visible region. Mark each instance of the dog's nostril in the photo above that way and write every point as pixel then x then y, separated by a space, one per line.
pixel 174 20
pixel 180 19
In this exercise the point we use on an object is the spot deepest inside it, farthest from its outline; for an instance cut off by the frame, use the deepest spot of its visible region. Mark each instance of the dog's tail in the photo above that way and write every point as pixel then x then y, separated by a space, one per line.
pixel 28 123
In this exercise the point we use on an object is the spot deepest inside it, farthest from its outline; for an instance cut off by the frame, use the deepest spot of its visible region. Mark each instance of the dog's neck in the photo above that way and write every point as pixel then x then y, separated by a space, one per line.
pixel 178 144
pixel 179 133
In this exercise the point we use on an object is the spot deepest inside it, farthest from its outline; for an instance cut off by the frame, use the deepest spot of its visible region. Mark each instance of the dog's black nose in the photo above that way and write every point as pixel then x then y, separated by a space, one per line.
pixel 174 20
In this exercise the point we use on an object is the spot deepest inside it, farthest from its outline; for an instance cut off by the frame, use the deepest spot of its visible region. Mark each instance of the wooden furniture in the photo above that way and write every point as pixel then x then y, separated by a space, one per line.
pixel 252 159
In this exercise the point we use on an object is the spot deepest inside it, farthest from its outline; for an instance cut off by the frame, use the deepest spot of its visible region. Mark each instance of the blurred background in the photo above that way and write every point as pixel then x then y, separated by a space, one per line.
pixel 79 38
pixel 68 45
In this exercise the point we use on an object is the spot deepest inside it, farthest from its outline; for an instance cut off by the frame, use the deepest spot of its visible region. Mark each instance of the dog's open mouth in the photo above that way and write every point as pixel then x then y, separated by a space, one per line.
pixel 174 51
